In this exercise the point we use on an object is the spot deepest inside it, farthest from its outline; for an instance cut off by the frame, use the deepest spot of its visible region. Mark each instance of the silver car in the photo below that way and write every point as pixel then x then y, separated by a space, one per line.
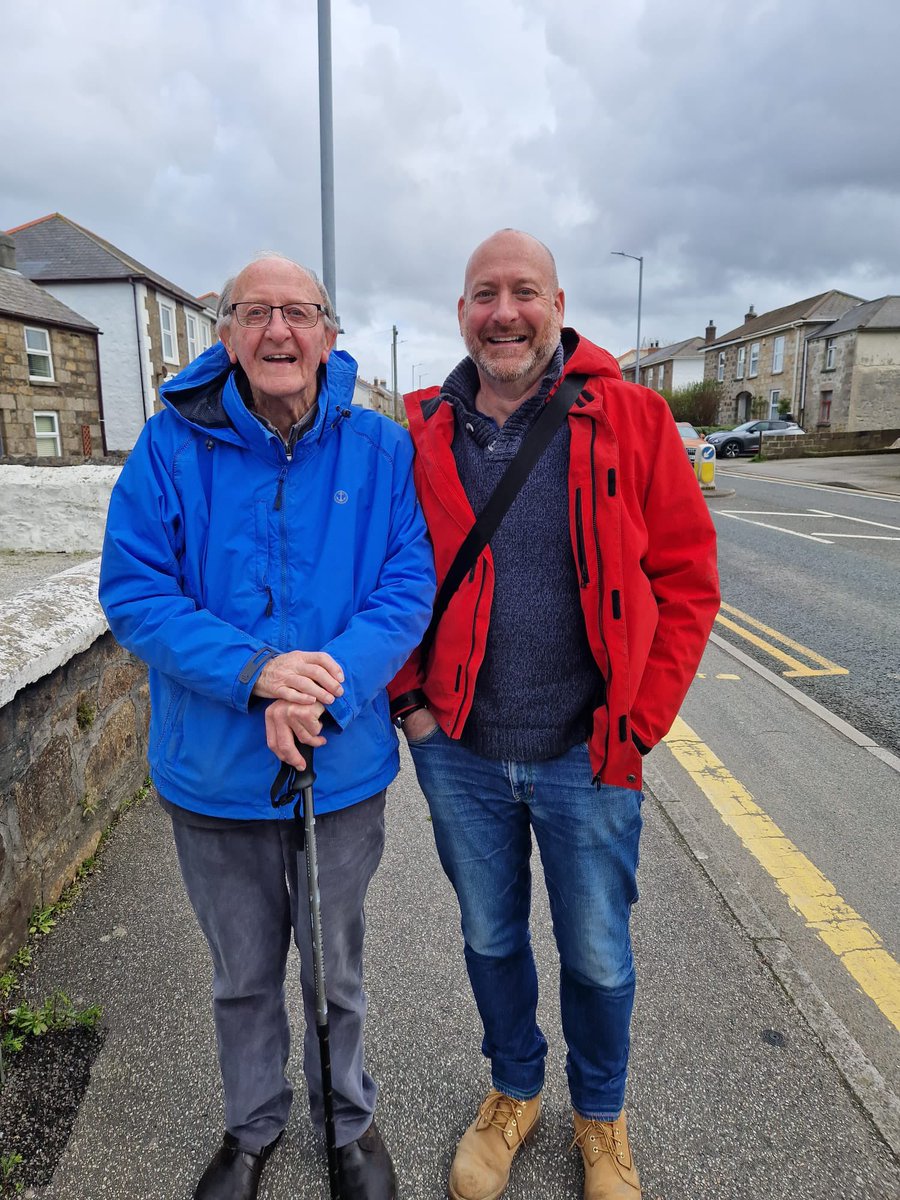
pixel 745 439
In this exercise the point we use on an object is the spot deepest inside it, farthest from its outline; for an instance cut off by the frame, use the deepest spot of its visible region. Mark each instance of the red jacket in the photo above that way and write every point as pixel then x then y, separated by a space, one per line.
pixel 644 548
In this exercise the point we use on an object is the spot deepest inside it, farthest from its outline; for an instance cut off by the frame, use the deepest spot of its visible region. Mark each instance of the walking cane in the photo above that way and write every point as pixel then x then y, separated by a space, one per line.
pixel 300 784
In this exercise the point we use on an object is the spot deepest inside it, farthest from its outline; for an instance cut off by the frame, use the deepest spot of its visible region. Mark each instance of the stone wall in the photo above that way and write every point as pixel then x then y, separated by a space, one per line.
pixel 73 394
pixel 74 715
pixel 825 442
pixel 51 508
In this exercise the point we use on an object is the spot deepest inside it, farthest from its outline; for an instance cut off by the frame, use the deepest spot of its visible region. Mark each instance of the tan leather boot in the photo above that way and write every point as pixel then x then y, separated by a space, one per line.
pixel 609 1170
pixel 485 1152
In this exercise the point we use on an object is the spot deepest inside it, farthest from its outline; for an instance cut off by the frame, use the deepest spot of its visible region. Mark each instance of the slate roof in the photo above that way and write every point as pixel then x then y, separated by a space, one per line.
pixel 19 297
pixel 683 349
pixel 53 249
pixel 874 314
pixel 826 306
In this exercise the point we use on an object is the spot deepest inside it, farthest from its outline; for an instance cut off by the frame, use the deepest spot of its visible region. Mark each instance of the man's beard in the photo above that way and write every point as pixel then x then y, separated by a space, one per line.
pixel 508 371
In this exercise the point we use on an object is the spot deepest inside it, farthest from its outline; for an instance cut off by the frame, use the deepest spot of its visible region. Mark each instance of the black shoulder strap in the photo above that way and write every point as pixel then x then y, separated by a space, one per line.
pixel 535 442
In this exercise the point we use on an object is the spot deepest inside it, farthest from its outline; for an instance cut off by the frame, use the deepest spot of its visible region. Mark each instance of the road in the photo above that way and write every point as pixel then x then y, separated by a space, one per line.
pixel 817 566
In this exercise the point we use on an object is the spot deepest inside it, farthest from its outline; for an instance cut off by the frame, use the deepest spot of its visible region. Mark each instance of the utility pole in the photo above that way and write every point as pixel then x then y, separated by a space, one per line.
pixel 326 151
pixel 396 398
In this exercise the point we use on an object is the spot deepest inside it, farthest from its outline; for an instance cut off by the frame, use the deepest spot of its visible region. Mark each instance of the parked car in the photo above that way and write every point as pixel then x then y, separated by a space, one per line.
pixel 744 439
pixel 690 438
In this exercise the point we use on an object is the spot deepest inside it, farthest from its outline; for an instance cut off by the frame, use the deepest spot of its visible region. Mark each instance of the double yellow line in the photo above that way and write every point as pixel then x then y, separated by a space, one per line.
pixel 808 892
pixel 796 668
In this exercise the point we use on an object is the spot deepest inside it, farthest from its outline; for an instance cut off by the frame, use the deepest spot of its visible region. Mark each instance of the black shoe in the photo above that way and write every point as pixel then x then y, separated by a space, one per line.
pixel 233 1174
pixel 367 1172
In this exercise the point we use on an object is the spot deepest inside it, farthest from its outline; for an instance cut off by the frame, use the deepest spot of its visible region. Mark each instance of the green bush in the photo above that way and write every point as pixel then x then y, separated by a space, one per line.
pixel 695 402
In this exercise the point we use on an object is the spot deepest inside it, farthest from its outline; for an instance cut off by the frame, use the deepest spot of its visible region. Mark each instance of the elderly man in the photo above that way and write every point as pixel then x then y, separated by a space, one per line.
pixel 558 657
pixel 266 556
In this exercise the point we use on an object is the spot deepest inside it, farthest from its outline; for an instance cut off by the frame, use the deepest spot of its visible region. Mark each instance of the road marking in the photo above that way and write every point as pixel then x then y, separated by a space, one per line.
pixel 797 669
pixel 728 677
pixel 809 893
pixel 834 489
pixel 744 514
pixel 780 528
pixel 859 520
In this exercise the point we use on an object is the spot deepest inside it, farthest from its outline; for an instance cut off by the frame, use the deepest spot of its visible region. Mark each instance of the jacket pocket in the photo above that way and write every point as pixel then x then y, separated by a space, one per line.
pixel 178 699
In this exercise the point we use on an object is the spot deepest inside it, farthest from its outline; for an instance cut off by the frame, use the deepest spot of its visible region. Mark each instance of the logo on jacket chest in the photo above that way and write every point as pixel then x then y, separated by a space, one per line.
pixel 340 496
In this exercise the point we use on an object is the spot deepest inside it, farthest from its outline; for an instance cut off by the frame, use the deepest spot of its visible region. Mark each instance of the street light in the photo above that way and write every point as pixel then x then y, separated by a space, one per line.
pixel 639 259
pixel 413 388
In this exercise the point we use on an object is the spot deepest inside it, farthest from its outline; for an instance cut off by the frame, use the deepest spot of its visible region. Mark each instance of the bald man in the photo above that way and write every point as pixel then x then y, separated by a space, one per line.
pixel 560 655
pixel 266 557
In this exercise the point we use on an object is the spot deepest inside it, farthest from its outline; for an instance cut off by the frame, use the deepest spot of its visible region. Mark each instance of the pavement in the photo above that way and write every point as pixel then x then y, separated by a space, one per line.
pixel 867 472
pixel 732 1094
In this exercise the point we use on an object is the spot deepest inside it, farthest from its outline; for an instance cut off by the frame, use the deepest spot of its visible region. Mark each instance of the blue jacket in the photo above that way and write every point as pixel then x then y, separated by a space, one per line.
pixel 221 551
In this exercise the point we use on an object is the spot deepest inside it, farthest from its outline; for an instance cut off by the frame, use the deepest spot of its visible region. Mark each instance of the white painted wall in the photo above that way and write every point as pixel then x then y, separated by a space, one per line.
pixel 54 508
pixel 110 305
pixel 687 370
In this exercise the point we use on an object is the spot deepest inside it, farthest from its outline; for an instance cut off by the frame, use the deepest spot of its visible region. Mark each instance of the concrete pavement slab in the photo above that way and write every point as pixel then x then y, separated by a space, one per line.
pixel 731 1095
pixel 866 472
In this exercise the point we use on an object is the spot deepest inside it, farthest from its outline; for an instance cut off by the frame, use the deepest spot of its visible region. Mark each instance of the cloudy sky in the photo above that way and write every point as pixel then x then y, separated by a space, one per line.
pixel 749 151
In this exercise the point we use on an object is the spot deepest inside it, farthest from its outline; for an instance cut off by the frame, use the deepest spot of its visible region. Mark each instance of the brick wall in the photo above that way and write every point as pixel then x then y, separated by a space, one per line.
pixel 73 395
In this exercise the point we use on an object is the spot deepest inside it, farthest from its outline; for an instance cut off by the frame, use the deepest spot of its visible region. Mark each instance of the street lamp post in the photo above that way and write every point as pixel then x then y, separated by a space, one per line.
pixel 639 259
pixel 414 374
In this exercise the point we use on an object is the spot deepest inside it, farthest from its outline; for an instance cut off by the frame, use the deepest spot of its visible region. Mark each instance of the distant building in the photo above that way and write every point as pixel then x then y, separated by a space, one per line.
pixel 672 366
pixel 376 396
pixel 50 405
pixel 852 379
pixel 760 364
pixel 150 327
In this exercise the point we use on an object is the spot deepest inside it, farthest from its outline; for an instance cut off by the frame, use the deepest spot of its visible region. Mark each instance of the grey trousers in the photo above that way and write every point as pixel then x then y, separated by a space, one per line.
pixel 247 886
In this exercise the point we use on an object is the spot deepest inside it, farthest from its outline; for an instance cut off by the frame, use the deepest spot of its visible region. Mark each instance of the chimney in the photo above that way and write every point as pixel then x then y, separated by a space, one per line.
pixel 710 332
pixel 7 252
pixel 751 315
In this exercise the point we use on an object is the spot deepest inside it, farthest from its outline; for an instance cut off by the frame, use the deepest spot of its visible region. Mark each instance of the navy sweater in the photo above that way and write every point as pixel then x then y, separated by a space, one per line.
pixel 538 684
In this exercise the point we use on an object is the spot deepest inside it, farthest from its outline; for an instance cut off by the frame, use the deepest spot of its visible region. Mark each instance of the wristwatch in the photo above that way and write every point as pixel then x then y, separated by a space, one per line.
pixel 409 702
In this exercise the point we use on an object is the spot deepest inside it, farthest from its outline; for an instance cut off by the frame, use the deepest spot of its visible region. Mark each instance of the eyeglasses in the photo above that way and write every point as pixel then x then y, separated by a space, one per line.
pixel 257 316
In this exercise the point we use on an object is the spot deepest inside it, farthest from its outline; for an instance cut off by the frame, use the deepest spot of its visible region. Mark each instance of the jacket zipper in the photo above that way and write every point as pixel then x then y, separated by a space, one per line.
pixel 282 541
pixel 465 667
pixel 607 681
pixel 579 541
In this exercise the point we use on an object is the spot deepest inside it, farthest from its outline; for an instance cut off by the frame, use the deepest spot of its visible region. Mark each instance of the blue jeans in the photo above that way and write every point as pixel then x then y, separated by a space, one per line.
pixel 483 812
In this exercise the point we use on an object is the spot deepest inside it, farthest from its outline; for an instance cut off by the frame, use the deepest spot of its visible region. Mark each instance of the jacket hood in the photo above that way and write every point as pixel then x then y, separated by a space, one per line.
pixel 200 393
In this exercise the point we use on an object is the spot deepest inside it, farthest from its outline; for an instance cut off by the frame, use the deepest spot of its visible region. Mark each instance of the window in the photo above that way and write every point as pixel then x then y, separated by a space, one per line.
pixel 660 375
pixel 741 359
pixel 46 434
pixel 830 354
pixel 720 370
pixel 40 361
pixel 825 408
pixel 206 338
pixel 774 397
pixel 778 355
pixel 190 321
pixel 754 360
pixel 167 324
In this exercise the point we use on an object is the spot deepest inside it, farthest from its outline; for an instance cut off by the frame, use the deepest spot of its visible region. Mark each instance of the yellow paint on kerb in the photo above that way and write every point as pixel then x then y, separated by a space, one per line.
pixel 808 892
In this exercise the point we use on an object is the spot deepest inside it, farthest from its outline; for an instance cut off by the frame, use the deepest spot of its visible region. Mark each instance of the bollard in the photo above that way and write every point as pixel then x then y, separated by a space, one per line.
pixel 705 466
